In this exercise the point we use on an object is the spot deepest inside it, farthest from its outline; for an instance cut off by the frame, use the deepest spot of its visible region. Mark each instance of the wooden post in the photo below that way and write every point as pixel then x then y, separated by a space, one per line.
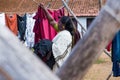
pixel 87 50
pixel 19 63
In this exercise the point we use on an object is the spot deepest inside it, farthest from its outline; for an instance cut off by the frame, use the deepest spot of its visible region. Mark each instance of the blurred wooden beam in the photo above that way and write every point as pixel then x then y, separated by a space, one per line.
pixel 87 50
pixel 19 63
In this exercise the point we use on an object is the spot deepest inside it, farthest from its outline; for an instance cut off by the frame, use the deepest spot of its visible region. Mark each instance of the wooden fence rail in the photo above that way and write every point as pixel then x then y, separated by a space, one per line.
pixel 18 63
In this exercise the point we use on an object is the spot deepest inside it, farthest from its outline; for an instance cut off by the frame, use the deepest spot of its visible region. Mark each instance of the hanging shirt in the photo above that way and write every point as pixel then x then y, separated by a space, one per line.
pixel 62 44
pixel 42 28
pixel 11 22
pixel 21 26
pixel 2 19
pixel 29 35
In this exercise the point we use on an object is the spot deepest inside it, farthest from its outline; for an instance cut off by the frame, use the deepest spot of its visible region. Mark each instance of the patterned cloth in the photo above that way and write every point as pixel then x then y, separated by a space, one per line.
pixel 29 34
pixel 60 45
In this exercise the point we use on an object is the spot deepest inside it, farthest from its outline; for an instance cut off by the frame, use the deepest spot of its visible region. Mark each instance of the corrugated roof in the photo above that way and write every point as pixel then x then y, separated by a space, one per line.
pixel 79 7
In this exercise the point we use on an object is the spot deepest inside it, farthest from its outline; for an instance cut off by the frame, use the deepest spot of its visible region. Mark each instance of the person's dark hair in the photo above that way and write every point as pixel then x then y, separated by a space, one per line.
pixel 71 25
pixel 77 34
pixel 75 22
pixel 67 22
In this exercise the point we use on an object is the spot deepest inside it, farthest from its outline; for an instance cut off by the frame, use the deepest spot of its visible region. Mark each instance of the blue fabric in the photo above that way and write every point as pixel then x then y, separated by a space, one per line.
pixel 116 69
pixel 116 55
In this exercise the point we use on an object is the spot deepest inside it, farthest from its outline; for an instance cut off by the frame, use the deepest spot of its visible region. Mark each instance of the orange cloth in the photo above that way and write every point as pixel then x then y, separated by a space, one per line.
pixel 11 23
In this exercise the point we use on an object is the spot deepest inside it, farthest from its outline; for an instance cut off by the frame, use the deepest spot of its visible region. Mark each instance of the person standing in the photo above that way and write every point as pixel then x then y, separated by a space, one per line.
pixel 64 41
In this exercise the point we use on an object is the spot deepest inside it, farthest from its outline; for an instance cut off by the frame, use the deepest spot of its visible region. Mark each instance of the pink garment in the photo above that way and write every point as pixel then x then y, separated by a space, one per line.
pixel 42 28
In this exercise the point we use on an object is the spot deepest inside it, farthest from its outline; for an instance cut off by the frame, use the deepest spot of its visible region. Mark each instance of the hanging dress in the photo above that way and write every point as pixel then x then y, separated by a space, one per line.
pixel 29 34
pixel 21 27
pixel 42 28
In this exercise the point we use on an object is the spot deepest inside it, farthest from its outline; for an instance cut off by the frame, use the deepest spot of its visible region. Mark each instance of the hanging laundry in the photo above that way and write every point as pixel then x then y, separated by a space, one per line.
pixel 116 55
pixel 57 14
pixel 109 46
pixel 21 20
pixel 42 28
pixel 11 22
pixel 29 34
pixel 2 19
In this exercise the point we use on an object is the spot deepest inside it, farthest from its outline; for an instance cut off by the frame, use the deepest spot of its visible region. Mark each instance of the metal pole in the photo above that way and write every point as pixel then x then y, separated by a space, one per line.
pixel 69 10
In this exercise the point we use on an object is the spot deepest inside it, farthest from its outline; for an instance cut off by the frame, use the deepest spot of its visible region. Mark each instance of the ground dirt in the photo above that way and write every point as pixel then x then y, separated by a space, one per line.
pixel 101 69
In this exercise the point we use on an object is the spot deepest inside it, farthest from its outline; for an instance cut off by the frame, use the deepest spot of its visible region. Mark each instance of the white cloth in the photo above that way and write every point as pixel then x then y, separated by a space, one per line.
pixel 60 44
pixel 29 34
pixel 2 19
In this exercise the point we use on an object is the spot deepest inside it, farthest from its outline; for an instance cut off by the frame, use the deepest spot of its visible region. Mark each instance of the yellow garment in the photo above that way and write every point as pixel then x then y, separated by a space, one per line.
pixel 56 27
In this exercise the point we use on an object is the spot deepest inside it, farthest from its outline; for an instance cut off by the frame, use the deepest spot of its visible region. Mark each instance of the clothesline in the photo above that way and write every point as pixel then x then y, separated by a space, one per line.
pixel 39 3
pixel 18 12
pixel 20 4
pixel 35 2
pixel 64 5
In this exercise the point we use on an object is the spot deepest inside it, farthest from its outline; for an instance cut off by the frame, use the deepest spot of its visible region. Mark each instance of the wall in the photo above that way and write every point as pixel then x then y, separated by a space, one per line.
pixel 83 21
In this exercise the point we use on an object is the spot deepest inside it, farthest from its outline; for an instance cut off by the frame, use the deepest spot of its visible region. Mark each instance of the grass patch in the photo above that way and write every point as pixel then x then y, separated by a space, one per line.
pixel 99 61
